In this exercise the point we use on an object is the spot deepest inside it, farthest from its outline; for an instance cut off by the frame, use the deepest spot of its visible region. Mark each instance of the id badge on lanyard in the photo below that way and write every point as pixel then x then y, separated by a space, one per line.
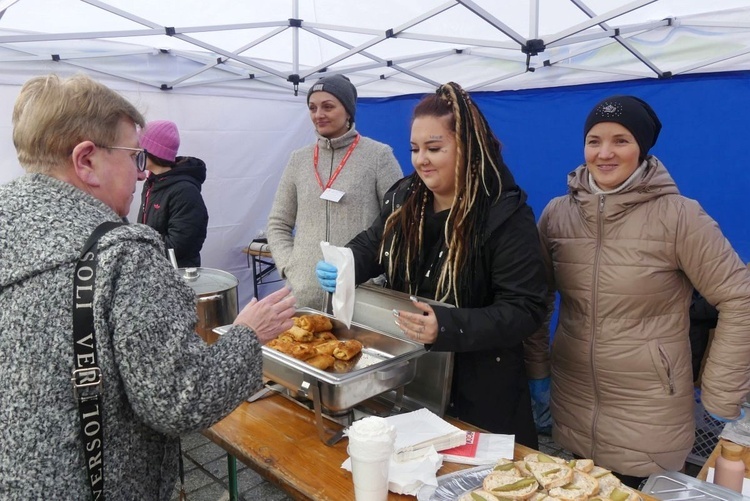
pixel 329 193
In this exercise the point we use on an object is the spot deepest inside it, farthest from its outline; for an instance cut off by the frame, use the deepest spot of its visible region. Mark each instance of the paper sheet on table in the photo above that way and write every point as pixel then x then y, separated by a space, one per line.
pixel 343 299
pixel 481 448
pixel 407 477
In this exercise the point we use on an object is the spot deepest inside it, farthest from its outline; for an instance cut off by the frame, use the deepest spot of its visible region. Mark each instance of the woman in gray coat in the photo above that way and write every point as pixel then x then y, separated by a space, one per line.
pixel 330 190
pixel 78 142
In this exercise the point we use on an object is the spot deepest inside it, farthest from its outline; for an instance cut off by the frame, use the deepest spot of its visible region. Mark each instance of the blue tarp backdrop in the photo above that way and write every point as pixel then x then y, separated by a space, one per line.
pixel 704 142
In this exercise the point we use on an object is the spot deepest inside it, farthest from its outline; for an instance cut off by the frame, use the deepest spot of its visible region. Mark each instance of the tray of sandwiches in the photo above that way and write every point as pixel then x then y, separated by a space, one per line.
pixel 320 357
pixel 537 477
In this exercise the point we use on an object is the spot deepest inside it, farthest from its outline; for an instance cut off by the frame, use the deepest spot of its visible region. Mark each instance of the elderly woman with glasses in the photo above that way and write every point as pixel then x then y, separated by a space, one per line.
pixel 171 201
pixel 78 142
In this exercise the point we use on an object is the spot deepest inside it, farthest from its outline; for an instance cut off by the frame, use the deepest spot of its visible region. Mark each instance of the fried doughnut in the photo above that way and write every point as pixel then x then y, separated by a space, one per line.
pixel 326 348
pixel 320 361
pixel 301 335
pixel 315 323
pixel 346 350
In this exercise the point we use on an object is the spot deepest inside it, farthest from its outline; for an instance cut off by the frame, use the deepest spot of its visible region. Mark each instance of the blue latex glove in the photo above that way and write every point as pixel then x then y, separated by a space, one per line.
pixel 326 274
pixel 726 420
pixel 539 389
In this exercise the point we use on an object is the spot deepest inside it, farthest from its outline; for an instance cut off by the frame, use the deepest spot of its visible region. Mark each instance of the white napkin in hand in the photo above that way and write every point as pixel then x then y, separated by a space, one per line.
pixel 343 299
pixel 408 477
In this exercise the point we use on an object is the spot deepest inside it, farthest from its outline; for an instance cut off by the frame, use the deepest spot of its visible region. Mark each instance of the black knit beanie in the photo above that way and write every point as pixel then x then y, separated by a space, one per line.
pixel 632 113
pixel 341 88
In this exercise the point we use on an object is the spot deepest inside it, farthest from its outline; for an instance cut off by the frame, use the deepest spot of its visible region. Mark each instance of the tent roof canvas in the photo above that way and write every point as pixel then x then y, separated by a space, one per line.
pixel 387 47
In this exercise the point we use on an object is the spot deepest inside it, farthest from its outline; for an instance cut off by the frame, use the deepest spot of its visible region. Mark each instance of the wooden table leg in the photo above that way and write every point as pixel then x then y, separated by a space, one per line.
pixel 234 494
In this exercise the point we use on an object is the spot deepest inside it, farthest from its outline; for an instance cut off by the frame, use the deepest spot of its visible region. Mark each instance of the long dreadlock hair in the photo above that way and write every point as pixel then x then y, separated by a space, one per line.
pixel 477 186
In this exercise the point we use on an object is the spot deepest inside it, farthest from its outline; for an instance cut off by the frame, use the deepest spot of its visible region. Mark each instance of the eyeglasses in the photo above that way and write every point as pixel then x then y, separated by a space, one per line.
pixel 140 157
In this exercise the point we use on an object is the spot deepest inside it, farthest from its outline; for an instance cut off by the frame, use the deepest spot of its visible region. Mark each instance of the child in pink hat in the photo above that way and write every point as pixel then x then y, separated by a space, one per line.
pixel 171 201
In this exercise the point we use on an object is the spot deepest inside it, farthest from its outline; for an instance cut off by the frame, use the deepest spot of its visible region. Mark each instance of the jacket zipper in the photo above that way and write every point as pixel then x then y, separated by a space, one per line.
pixel 145 203
pixel 594 308
pixel 328 203
pixel 668 366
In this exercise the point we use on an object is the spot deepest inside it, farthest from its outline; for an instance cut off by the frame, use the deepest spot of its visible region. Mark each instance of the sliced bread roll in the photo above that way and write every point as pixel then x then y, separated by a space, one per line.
pixel 542 496
pixel 624 493
pixel 521 467
pixel 506 467
pixel 550 475
pixel 478 495
pixel 505 486
pixel 598 472
pixel 584 465
pixel 607 483
pixel 579 488
pixel 539 457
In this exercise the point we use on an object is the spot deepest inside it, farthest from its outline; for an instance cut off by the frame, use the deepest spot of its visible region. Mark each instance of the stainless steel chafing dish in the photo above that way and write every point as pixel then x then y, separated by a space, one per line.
pixel 386 363
pixel 393 372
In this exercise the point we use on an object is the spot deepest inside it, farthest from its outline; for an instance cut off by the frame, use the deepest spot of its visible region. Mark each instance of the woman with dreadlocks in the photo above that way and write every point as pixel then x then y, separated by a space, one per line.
pixel 459 230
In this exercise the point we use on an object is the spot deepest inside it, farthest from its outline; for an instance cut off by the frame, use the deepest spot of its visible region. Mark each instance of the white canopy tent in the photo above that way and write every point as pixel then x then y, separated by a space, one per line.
pixel 387 47
pixel 233 75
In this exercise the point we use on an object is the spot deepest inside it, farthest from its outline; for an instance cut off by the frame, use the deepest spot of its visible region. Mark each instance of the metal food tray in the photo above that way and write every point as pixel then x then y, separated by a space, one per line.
pixel 386 363
pixel 675 485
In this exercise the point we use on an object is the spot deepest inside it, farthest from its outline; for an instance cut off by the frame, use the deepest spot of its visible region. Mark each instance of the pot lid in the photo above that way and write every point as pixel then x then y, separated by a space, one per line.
pixel 208 280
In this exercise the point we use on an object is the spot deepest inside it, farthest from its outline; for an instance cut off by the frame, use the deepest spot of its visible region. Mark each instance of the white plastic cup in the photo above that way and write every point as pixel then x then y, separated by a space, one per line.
pixel 370 475
pixel 370 449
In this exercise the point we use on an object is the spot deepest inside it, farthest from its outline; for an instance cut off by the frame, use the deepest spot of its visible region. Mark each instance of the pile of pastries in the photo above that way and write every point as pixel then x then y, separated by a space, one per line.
pixel 311 340
pixel 539 477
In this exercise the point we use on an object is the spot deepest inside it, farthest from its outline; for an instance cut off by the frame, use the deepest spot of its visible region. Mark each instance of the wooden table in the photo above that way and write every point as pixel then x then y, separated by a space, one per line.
pixel 278 439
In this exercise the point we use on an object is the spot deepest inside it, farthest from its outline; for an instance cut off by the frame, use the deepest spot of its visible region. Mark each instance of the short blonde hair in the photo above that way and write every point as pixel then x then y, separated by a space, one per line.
pixel 53 115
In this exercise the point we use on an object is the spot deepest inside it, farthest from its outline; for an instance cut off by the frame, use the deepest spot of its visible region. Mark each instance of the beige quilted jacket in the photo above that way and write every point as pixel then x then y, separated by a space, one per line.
pixel 625 265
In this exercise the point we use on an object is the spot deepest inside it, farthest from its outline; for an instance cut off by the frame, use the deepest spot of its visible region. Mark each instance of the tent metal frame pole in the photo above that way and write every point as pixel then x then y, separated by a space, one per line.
pixel 628 46
pixel 392 32
pixel 597 20
pixel 495 22
pixel 295 39
pixel 534 19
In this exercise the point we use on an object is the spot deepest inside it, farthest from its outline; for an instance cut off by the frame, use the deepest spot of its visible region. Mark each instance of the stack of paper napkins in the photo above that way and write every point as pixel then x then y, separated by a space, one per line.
pixel 419 431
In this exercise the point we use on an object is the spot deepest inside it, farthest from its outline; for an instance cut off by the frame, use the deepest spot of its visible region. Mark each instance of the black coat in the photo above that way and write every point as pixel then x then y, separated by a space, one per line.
pixel 489 386
pixel 171 203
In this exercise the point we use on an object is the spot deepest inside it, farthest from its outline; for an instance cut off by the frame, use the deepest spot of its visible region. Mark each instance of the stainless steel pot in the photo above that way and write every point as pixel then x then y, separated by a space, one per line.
pixel 216 291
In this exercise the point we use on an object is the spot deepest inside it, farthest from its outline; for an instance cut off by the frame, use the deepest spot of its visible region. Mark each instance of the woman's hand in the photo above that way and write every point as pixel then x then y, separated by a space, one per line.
pixel 270 316
pixel 421 327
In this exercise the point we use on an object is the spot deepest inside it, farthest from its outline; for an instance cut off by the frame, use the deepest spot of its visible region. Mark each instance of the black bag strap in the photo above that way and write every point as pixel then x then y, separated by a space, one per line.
pixel 87 376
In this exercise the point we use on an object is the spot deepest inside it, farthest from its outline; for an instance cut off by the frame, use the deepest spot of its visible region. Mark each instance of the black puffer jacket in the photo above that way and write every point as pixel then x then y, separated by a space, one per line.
pixel 507 304
pixel 171 203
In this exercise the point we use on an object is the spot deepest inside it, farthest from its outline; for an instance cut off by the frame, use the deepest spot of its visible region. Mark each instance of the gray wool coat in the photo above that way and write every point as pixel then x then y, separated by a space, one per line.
pixel 160 378
pixel 300 219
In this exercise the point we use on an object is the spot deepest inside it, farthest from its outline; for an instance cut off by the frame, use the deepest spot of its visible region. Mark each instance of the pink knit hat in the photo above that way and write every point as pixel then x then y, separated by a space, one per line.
pixel 162 139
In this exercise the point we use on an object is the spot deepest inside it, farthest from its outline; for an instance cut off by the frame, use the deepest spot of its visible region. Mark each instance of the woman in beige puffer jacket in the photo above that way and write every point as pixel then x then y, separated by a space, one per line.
pixel 626 250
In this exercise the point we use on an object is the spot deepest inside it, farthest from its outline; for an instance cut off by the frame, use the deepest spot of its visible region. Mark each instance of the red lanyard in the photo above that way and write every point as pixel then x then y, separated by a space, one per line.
pixel 338 169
